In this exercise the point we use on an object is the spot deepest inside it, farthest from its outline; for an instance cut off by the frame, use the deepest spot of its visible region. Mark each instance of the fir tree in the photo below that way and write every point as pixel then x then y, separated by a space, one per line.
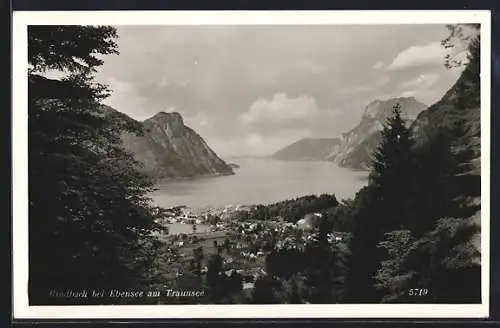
pixel 451 260
pixel 432 186
pixel 441 254
pixel 90 223
pixel 394 278
pixel 216 279
pixel 319 266
pixel 391 171
pixel 425 227
pixel 324 267
pixel 380 208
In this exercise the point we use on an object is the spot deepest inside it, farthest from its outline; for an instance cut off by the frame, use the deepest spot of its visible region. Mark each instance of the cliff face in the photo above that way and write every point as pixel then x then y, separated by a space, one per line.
pixel 169 149
pixel 307 149
pixel 356 146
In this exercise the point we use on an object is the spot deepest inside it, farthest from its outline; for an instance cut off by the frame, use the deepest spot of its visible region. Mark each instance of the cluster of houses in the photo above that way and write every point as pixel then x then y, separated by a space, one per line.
pixel 217 218
pixel 180 216
pixel 252 240
pixel 220 218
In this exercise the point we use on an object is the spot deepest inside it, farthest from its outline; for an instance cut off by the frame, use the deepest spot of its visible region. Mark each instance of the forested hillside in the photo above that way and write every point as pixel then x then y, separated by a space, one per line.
pixel 90 223
pixel 412 227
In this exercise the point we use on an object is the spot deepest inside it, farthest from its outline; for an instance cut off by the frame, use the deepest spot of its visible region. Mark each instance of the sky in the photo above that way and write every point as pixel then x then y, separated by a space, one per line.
pixel 251 90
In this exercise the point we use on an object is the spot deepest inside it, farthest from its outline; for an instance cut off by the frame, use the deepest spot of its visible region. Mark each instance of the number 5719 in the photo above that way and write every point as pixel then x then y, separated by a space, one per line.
pixel 418 292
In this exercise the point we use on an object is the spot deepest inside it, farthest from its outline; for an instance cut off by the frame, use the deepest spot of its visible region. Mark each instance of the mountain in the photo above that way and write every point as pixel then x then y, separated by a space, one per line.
pixel 167 148
pixel 459 106
pixel 446 113
pixel 307 149
pixel 356 146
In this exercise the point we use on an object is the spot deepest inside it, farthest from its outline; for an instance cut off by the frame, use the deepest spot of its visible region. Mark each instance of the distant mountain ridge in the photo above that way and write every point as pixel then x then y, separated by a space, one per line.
pixel 307 149
pixel 354 148
pixel 357 145
pixel 168 148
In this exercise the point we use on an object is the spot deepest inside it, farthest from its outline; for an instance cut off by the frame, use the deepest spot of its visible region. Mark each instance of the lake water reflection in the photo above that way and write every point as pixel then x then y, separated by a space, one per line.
pixel 262 181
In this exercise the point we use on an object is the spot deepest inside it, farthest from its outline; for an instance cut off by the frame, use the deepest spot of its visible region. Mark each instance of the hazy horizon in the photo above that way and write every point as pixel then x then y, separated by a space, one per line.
pixel 252 90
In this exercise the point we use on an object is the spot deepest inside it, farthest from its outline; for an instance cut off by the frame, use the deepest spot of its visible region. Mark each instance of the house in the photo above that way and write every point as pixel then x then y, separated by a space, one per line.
pixel 310 221
pixel 248 285
pixel 169 213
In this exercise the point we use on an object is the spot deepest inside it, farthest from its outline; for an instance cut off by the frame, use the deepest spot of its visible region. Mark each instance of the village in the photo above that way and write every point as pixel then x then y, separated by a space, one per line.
pixel 192 237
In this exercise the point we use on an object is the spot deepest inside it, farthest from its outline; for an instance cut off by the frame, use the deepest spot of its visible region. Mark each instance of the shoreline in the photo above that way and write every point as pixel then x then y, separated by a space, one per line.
pixel 159 181
pixel 214 202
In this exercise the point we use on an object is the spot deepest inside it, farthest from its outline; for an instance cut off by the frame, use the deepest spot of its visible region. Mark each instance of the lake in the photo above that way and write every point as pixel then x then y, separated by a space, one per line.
pixel 261 181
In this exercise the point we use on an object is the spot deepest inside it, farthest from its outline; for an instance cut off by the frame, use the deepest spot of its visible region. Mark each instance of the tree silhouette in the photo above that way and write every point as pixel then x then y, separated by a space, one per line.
pixel 379 208
pixel 90 222
pixel 439 254
pixel 263 291
pixel 216 278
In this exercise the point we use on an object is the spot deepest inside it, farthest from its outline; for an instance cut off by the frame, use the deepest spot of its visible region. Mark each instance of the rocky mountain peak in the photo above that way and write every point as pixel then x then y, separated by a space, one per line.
pixel 172 121
pixel 168 148
pixel 381 109
pixel 357 144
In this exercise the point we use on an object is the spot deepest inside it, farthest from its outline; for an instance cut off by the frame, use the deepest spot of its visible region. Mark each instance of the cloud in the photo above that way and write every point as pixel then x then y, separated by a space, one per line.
pixel 421 86
pixel 126 99
pixel 308 66
pixel 379 65
pixel 241 82
pixel 422 81
pixel 281 107
pixel 430 54
pixel 409 93
pixel 368 87
pixel 256 144
pixel 382 81
pixel 199 122
pixel 254 139
pixel 164 82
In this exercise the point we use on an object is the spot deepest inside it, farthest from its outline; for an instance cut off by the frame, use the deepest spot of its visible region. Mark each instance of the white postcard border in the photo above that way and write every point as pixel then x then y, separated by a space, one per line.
pixel 21 307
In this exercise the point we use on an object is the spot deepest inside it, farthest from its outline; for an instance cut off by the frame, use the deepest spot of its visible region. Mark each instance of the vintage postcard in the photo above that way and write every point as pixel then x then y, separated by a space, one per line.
pixel 281 164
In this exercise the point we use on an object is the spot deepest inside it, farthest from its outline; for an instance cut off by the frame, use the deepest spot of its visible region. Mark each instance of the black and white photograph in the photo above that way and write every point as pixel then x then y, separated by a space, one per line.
pixel 208 163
